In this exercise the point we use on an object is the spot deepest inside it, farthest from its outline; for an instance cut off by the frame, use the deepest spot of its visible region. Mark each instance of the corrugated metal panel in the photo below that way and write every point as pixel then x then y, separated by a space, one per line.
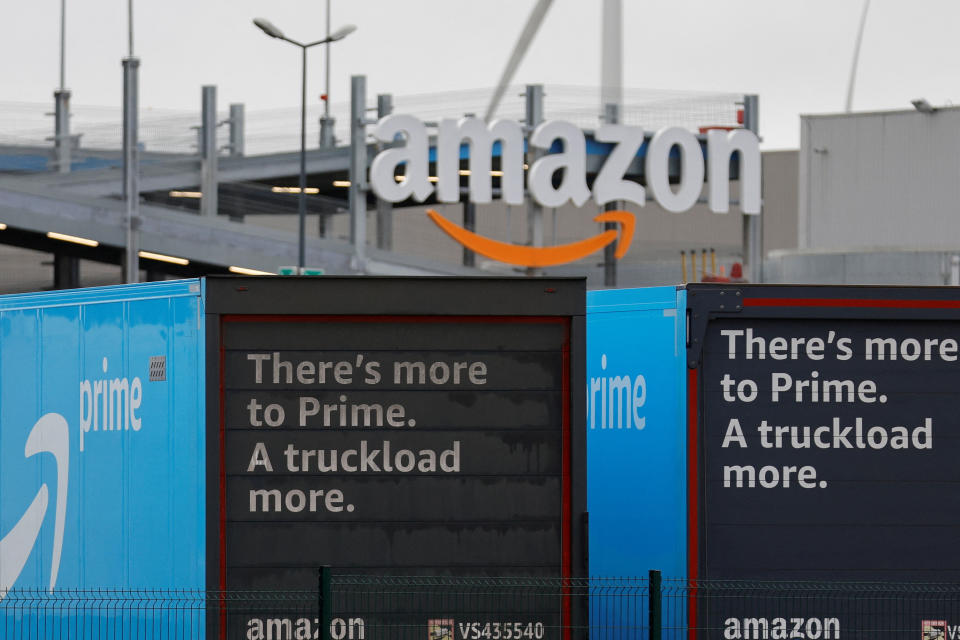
pixel 514 507
pixel 859 267
pixel 775 501
pixel 100 295
pixel 613 300
pixel 117 482
pixel 880 180
pixel 636 352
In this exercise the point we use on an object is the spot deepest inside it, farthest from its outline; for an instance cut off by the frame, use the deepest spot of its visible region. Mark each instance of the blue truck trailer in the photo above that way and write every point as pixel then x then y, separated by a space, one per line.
pixel 807 438
pixel 165 446
pixel 636 440
pixel 217 435
pixel 102 443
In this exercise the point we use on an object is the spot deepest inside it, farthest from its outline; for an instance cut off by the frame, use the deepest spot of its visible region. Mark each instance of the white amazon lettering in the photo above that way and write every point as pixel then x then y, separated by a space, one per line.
pixel 409 152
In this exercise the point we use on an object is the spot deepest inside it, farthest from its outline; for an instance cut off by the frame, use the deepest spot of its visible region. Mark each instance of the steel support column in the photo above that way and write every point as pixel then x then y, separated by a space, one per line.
pixel 131 168
pixel 611 53
pixel 384 208
pixel 66 271
pixel 208 151
pixel 753 224
pixel 611 115
pixel 358 171
pixel 470 224
pixel 534 116
pixel 62 143
pixel 237 125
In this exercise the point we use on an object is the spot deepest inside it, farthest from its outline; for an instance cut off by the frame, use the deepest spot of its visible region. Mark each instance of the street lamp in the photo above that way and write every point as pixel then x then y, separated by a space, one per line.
pixel 268 28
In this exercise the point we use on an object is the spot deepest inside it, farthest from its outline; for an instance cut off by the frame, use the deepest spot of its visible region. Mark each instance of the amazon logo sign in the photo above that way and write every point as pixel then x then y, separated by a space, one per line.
pixel 401 172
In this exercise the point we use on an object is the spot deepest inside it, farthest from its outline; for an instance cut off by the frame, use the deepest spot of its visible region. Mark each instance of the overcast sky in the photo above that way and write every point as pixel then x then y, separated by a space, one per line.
pixel 795 54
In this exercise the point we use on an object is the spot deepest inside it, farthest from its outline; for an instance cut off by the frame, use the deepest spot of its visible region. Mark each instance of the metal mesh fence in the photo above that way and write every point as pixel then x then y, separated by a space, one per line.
pixel 581 105
pixel 445 608
pixel 101 613
pixel 814 610
pixel 493 608
pixel 278 130
pixel 161 130
pixel 150 614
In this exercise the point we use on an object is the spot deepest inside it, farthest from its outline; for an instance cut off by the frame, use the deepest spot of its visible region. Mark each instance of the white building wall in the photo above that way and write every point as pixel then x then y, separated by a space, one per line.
pixel 874 180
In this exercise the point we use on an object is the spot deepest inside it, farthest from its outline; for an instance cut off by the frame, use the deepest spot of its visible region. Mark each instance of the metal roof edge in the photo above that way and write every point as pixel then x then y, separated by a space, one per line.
pixel 99 295
pixel 613 300
pixel 877 112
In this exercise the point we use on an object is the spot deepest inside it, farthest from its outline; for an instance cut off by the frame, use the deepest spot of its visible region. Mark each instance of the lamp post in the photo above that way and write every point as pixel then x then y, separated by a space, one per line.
pixel 326 122
pixel 61 111
pixel 131 154
pixel 268 28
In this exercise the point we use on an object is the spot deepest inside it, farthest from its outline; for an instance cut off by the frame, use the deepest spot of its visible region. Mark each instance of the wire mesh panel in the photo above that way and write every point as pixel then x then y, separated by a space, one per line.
pixel 278 129
pixel 814 610
pixel 446 608
pixel 267 614
pixel 157 614
pixel 27 614
pixel 619 608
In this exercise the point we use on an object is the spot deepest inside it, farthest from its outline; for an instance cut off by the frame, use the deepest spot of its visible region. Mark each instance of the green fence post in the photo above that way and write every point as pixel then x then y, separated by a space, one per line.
pixel 656 623
pixel 326 616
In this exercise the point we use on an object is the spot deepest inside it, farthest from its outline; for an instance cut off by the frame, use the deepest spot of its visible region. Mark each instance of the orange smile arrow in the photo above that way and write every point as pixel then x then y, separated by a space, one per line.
pixel 542 256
